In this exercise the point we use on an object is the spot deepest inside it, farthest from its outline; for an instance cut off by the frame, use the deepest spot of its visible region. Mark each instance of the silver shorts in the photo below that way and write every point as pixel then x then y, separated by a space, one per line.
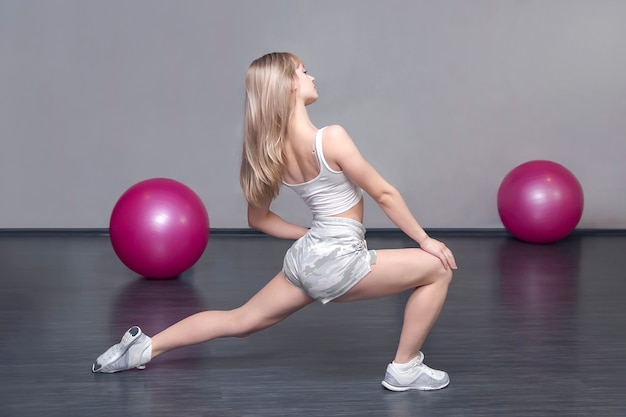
pixel 330 259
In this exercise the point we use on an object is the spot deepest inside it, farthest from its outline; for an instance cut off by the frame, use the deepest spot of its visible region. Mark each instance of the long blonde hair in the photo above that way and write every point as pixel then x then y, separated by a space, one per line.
pixel 269 105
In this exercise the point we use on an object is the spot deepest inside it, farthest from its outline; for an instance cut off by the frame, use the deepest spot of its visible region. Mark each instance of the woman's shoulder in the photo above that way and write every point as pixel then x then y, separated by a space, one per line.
pixel 335 134
pixel 334 131
pixel 337 143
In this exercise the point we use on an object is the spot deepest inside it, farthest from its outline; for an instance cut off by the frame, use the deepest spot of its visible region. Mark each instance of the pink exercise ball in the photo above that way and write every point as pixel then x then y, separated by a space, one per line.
pixel 540 202
pixel 159 228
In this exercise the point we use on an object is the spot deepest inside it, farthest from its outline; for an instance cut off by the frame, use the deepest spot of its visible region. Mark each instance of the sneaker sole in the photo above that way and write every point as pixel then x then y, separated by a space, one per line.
pixel 406 388
pixel 127 341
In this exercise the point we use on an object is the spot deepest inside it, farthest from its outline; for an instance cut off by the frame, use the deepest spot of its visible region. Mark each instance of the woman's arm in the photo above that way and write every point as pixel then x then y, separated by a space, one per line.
pixel 266 221
pixel 341 150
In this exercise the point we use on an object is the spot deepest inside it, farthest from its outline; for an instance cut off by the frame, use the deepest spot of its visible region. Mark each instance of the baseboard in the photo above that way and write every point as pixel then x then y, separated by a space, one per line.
pixel 469 232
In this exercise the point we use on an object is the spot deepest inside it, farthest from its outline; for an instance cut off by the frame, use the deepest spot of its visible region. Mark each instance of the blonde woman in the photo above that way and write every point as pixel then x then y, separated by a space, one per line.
pixel 330 260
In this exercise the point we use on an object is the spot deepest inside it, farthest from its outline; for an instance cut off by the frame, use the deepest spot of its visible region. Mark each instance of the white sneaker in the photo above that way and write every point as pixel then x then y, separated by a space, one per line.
pixel 418 377
pixel 133 351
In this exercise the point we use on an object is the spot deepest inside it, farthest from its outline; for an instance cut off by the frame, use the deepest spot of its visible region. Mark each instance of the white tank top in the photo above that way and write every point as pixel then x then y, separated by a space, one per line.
pixel 331 192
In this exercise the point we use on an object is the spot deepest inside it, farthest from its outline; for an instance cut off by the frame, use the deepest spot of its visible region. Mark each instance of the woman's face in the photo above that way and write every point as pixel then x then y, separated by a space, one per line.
pixel 305 89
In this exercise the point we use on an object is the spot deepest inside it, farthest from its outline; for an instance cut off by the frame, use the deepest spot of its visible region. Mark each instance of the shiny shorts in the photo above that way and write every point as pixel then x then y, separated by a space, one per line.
pixel 330 259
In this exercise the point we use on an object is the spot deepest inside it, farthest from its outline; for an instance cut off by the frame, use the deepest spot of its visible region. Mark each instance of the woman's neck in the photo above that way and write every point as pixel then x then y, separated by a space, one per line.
pixel 300 122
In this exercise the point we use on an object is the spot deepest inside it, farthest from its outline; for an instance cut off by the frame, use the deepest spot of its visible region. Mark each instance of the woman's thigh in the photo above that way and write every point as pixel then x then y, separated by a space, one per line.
pixel 397 270
pixel 273 303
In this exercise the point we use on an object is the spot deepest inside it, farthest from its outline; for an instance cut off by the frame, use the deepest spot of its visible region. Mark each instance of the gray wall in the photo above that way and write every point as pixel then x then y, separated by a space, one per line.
pixel 443 97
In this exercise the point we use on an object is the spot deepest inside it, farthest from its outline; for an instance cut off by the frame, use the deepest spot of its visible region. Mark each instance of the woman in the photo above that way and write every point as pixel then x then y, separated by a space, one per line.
pixel 329 261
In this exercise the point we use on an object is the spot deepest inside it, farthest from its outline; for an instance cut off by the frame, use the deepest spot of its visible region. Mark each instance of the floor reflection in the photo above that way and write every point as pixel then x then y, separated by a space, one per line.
pixel 154 304
pixel 538 296
pixel 538 283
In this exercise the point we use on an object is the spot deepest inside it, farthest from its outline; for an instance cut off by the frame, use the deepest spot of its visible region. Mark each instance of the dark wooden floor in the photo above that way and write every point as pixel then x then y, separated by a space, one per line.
pixel 526 331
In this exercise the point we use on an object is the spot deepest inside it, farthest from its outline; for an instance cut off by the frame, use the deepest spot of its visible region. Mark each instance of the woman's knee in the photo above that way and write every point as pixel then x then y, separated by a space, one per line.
pixel 439 274
pixel 444 275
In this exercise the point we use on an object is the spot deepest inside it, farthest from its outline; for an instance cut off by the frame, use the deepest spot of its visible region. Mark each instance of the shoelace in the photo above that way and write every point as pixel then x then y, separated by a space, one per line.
pixel 425 368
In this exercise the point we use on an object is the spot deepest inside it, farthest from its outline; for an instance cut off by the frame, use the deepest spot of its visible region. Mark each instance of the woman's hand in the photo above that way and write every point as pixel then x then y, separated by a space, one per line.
pixel 440 250
pixel 266 221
